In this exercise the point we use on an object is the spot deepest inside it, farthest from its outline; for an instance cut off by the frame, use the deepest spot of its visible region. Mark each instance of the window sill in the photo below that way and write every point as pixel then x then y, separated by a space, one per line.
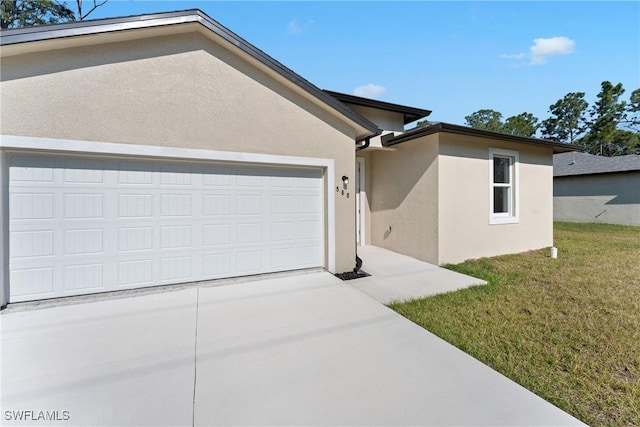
pixel 494 220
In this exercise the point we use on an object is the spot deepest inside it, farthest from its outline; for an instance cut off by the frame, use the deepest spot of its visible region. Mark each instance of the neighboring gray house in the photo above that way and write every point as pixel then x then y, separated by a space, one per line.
pixel 588 188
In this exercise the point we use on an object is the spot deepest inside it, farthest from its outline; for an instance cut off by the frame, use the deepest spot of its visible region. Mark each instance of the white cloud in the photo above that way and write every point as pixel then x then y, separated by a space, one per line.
pixel 295 27
pixel 369 91
pixel 543 48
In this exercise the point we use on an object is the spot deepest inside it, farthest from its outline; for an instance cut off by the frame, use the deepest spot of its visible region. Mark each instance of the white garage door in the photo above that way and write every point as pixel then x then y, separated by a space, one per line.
pixel 82 225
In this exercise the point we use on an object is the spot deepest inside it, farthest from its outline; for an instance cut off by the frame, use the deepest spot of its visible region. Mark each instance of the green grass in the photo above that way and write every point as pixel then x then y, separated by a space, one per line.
pixel 567 329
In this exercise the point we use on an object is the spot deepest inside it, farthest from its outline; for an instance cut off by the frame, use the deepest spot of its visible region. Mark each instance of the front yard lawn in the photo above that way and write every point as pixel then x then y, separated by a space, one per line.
pixel 567 329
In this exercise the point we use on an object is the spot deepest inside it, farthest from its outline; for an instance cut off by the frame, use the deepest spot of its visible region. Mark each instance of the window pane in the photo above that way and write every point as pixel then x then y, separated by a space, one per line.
pixel 501 170
pixel 500 199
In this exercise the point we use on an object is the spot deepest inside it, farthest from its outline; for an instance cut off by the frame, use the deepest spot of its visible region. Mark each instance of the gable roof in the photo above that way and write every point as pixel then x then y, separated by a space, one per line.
pixel 33 39
pixel 574 164
pixel 435 127
pixel 410 114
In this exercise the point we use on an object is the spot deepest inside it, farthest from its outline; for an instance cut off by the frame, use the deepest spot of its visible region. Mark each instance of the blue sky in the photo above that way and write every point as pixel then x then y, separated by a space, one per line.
pixel 450 57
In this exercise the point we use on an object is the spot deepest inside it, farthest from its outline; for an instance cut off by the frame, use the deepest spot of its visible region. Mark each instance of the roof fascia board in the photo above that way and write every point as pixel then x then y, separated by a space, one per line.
pixel 596 173
pixel 364 127
pixel 558 147
pixel 92 27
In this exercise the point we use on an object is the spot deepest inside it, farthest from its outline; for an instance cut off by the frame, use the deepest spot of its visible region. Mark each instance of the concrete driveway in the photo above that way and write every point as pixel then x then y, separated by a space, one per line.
pixel 298 350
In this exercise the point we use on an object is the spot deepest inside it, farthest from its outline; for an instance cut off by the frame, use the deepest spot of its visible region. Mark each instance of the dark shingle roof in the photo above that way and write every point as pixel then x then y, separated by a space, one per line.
pixel 411 114
pixel 570 164
pixel 435 127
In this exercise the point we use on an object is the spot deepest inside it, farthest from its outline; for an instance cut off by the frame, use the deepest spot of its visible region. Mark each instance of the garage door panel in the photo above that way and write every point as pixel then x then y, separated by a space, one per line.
pixel 308 180
pixel 218 264
pixel 38 169
pixel 283 231
pixel 135 205
pixel 83 277
pixel 307 256
pixel 248 177
pixel 27 244
pixel 136 273
pixel 83 205
pixel 135 239
pixel 249 261
pixel 282 204
pixel 249 232
pixel 249 204
pixel 31 283
pixel 283 180
pixel 283 258
pixel 309 204
pixel 135 173
pixel 174 269
pixel 175 205
pixel 29 206
pixel 217 176
pixel 83 241
pixel 311 229
pixel 175 175
pixel 175 236
pixel 217 204
pixel 83 225
pixel 217 234
pixel 84 171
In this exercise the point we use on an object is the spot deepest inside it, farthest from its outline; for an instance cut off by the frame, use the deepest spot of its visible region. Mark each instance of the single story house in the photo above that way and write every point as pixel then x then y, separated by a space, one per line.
pixel 161 149
pixel 588 188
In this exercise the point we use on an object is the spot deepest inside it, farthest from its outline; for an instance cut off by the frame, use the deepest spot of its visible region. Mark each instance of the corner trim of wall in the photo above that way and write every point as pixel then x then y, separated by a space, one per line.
pixel 4 231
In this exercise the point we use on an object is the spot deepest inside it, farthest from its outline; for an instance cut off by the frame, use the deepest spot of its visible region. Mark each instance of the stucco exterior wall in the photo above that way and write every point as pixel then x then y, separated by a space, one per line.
pixel 386 120
pixel 178 91
pixel 608 198
pixel 404 198
pixel 463 173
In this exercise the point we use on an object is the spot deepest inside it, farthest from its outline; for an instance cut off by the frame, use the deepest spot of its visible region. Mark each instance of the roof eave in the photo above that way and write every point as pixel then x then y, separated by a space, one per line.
pixel 596 173
pixel 97 26
pixel 410 114
pixel 558 147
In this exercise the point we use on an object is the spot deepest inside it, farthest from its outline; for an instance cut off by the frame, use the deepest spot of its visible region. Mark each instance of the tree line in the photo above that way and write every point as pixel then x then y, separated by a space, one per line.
pixel 609 127
pixel 27 13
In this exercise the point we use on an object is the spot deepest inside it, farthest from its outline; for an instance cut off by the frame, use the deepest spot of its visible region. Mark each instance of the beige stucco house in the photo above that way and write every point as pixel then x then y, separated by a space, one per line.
pixel 163 149
pixel 444 193
pixel 588 188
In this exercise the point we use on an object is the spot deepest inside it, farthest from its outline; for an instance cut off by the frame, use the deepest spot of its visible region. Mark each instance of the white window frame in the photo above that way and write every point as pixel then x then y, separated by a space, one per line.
pixel 512 216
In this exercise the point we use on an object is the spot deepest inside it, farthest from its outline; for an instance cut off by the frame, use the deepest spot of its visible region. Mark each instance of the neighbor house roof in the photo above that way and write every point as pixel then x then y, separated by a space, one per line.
pixel 411 114
pixel 47 37
pixel 435 127
pixel 572 164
